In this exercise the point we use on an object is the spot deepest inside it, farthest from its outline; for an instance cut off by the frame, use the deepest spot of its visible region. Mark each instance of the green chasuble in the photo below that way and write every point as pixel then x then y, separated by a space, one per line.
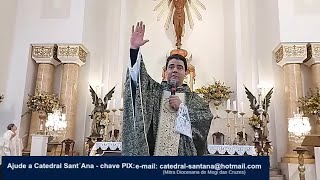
pixel 142 112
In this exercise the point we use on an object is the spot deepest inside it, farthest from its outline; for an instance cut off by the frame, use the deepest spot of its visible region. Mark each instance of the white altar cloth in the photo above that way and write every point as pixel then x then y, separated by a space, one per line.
pixel 232 150
pixel 104 146
pixel 212 149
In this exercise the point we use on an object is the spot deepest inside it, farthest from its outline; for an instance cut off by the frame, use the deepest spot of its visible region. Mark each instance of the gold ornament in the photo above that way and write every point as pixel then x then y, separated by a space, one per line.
pixel 217 91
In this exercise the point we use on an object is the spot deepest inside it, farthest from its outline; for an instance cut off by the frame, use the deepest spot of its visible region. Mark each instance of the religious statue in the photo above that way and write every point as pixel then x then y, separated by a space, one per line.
pixel 99 115
pixel 260 110
pixel 177 11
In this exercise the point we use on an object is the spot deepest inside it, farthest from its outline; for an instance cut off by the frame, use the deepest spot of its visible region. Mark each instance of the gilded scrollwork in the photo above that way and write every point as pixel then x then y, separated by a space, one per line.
pixel 279 54
pixel 42 51
pixel 298 51
pixel 291 53
pixel 75 51
pixel 315 50
pixel 82 54
pixel 68 51
pixel 45 54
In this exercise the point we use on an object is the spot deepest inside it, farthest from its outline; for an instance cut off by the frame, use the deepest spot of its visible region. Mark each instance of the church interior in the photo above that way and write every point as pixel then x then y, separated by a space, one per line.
pixel 63 64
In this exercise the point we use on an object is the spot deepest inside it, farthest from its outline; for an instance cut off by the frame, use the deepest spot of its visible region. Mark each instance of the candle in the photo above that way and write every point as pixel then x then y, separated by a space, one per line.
pixel 243 131
pixel 260 91
pixel 259 99
pixel 109 104
pixel 228 104
pixel 241 107
pixel 121 105
pixel 234 105
pixel 114 104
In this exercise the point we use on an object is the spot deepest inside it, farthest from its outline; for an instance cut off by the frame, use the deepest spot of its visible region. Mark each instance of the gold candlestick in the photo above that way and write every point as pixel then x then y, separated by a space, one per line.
pixel 236 140
pixel 243 141
pixel 106 134
pixel 120 124
pixel 301 167
pixel 113 120
pixel 228 142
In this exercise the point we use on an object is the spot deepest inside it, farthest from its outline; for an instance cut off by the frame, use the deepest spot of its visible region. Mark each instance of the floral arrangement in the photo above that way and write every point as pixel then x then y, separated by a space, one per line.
pixel 217 91
pixel 43 101
pixel 1 98
pixel 254 121
pixel 310 104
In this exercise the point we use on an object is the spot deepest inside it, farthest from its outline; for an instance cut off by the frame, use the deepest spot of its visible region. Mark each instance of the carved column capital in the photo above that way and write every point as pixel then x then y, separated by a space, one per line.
pixel 313 54
pixel 291 53
pixel 72 54
pixel 45 54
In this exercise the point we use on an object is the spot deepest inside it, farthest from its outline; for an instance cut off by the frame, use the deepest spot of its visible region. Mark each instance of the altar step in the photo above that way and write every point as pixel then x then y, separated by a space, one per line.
pixel 275 174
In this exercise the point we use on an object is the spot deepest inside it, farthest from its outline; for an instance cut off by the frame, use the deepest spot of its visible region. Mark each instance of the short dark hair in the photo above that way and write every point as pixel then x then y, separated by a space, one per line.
pixel 10 126
pixel 178 57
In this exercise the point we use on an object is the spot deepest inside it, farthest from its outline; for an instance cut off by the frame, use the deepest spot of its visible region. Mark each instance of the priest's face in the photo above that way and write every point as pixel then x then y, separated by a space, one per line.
pixel 176 71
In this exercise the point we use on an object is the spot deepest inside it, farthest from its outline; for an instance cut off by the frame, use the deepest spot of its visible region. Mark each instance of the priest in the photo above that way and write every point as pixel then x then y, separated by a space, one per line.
pixel 12 144
pixel 164 119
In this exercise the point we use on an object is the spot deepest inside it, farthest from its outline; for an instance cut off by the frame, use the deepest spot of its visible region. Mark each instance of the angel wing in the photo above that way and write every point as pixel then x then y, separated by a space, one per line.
pixel 252 99
pixel 163 2
pixel 191 24
pixel 267 100
pixel 93 95
pixel 200 4
pixel 194 8
pixel 108 97
pixel 160 4
pixel 169 17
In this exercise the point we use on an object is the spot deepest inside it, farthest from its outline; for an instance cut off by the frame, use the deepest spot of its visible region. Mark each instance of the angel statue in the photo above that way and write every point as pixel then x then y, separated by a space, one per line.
pixel 177 11
pixel 99 114
pixel 259 106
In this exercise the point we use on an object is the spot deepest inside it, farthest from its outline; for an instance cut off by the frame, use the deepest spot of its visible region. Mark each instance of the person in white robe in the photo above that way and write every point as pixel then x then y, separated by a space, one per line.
pixel 12 144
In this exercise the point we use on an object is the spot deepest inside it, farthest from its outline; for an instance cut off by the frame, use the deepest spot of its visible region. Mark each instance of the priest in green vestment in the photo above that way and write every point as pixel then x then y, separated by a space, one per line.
pixel 164 119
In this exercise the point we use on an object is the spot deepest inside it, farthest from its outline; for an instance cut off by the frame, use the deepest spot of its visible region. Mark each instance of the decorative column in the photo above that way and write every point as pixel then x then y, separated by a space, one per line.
pixel 46 58
pixel 290 56
pixel 73 56
pixel 314 63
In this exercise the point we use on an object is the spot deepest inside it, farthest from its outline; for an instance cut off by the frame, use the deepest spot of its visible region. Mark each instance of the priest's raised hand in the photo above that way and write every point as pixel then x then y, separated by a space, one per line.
pixel 137 36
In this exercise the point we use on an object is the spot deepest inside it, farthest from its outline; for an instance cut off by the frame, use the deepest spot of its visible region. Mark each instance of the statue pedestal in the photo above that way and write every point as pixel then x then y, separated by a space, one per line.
pixel 39 145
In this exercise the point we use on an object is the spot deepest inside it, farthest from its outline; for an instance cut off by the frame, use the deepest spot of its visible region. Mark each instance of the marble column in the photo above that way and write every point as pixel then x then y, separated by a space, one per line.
pixel 45 56
pixel 290 56
pixel 73 56
pixel 314 63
